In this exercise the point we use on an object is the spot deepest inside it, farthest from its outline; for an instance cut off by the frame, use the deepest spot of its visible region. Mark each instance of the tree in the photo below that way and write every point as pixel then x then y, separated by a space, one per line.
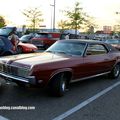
pixel 62 24
pixel 34 16
pixel 76 18
pixel 90 25
pixel 2 22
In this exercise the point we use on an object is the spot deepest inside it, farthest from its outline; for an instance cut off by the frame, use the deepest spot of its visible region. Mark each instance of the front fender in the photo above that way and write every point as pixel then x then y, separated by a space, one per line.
pixel 60 71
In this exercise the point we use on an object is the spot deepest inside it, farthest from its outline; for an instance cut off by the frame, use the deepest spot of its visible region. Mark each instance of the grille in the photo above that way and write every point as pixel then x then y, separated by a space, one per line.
pixel 14 70
pixel 8 69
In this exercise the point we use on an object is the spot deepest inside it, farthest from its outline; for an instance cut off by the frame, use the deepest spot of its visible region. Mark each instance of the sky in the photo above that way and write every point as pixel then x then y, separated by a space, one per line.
pixel 102 10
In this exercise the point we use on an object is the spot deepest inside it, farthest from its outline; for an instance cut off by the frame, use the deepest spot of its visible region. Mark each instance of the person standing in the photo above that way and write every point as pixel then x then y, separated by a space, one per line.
pixel 14 38
pixel 67 37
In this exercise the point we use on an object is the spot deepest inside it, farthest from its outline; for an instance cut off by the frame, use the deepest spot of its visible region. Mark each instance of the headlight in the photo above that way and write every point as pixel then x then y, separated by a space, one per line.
pixel 23 72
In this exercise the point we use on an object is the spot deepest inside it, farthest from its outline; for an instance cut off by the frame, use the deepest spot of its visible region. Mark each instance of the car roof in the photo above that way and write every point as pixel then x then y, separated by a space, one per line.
pixel 2 37
pixel 90 41
pixel 83 41
pixel 7 42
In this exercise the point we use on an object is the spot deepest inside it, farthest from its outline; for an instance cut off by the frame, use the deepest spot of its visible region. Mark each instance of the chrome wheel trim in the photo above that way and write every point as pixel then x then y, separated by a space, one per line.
pixel 116 70
pixel 63 86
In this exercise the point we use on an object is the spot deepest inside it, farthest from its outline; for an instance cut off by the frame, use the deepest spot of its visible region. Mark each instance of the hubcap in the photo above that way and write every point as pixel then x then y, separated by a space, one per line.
pixel 116 71
pixel 63 86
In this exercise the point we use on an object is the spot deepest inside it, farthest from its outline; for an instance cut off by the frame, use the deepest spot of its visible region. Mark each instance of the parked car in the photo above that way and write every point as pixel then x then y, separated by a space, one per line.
pixel 26 48
pixel 66 61
pixel 21 48
pixel 6 47
pixel 5 31
pixel 45 39
pixel 27 38
pixel 114 42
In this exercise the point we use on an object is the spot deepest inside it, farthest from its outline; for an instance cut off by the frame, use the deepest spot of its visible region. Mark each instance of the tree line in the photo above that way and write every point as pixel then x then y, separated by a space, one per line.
pixel 76 18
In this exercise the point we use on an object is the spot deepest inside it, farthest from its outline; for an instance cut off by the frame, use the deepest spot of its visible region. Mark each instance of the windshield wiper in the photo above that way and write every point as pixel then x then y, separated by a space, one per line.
pixel 50 51
pixel 60 52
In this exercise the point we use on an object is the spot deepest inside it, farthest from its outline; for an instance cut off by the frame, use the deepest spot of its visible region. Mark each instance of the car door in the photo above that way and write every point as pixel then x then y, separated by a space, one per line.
pixel 2 45
pixel 97 60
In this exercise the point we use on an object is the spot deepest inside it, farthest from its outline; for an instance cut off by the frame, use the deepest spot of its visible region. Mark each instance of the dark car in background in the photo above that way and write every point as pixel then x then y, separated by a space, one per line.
pixel 6 47
pixel 114 42
pixel 27 38
pixel 5 31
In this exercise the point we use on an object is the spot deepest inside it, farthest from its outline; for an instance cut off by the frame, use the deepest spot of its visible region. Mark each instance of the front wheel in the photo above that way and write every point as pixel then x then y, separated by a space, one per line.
pixel 115 71
pixel 58 85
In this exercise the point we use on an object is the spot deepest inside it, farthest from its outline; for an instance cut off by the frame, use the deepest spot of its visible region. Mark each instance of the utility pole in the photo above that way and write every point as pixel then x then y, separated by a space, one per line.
pixel 53 20
pixel 54 15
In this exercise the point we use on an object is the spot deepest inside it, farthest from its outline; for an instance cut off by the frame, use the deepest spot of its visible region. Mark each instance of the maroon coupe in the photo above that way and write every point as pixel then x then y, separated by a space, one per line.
pixel 64 62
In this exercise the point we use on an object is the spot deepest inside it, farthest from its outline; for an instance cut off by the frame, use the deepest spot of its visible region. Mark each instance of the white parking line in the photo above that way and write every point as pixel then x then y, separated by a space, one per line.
pixel 86 102
pixel 3 118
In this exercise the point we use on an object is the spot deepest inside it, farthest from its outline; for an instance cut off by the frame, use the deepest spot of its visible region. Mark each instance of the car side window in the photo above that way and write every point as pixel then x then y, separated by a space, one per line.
pixel 1 43
pixel 94 49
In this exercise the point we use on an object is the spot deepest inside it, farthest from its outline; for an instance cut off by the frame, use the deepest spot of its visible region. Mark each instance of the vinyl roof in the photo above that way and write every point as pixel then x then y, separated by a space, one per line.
pixel 82 41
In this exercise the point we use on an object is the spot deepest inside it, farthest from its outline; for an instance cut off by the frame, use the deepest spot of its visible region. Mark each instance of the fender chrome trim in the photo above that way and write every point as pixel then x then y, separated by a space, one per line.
pixel 72 81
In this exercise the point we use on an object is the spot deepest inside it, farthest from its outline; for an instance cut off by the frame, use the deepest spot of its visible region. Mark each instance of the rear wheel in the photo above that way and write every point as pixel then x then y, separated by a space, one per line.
pixel 58 85
pixel 115 71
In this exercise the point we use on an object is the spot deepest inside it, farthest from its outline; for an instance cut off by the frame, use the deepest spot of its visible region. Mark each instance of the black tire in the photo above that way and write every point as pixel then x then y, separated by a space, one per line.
pixel 7 53
pixel 20 84
pixel 46 47
pixel 19 50
pixel 58 85
pixel 115 71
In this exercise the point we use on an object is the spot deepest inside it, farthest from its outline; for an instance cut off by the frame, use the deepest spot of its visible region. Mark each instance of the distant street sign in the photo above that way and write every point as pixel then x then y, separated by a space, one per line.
pixel 42 25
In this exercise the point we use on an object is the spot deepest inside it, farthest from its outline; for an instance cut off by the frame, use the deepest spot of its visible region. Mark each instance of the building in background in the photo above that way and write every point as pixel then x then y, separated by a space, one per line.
pixel 107 29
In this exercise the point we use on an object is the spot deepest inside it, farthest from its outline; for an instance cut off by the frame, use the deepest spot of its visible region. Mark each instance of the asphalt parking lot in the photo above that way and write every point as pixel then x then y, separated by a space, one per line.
pixel 93 99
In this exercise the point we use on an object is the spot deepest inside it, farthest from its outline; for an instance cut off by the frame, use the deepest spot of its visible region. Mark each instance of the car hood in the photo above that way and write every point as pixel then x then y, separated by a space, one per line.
pixel 27 45
pixel 29 60
pixel 116 45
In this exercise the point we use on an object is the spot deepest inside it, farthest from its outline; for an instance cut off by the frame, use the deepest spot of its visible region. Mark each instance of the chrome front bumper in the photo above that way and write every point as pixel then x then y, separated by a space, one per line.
pixel 29 79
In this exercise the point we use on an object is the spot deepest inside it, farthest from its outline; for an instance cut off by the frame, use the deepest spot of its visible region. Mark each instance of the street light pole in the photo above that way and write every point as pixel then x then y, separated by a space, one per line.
pixel 54 15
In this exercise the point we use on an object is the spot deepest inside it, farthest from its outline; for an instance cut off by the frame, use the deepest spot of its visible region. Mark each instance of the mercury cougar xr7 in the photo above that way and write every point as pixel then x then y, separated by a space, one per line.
pixel 64 62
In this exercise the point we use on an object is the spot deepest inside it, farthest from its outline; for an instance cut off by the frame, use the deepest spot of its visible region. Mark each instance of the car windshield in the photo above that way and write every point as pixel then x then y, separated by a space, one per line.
pixel 5 31
pixel 113 41
pixel 69 48
pixel 43 35
pixel 25 37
